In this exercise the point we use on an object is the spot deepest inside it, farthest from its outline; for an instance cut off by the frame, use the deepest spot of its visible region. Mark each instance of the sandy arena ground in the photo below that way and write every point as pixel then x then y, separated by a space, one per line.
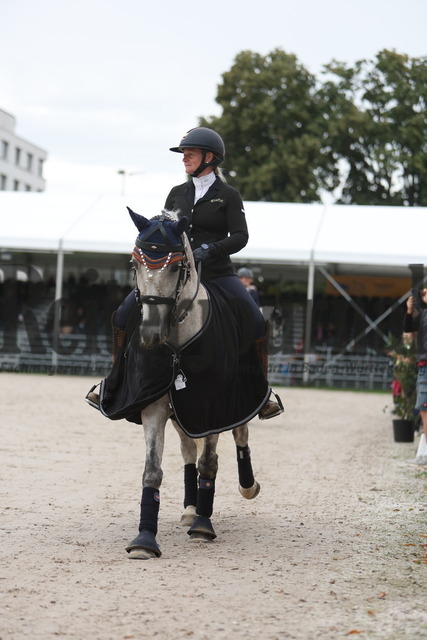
pixel 333 547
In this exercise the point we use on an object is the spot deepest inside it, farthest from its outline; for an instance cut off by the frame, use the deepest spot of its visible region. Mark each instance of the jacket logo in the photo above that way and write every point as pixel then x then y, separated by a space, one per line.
pixel 217 200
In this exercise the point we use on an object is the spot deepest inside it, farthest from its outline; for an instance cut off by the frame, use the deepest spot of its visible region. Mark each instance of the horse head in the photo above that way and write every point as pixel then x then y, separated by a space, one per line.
pixel 161 262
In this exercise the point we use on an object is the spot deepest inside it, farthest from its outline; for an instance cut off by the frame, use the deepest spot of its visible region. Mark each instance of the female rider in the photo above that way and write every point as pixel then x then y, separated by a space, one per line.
pixel 217 229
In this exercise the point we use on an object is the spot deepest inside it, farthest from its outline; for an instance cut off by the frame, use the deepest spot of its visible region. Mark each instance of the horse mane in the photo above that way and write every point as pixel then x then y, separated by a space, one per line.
pixel 167 216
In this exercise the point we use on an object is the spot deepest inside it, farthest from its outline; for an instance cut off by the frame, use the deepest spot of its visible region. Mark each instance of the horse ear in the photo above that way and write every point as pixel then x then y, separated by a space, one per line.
pixel 139 221
pixel 182 225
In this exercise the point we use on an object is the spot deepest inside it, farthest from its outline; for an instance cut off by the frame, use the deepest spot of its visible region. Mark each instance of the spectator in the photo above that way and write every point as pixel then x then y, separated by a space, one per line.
pixel 246 278
pixel 415 321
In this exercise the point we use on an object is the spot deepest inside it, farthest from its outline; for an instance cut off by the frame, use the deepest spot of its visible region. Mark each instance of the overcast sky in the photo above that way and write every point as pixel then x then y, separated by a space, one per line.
pixel 104 85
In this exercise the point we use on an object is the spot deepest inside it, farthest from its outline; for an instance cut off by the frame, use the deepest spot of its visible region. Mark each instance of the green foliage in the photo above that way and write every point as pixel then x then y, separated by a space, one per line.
pixel 381 130
pixel 290 137
pixel 270 123
pixel 405 373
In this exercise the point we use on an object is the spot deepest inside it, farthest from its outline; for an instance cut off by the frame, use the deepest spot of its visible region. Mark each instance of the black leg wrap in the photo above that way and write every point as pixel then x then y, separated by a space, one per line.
pixel 145 540
pixel 244 466
pixel 202 525
pixel 205 497
pixel 150 503
pixel 190 485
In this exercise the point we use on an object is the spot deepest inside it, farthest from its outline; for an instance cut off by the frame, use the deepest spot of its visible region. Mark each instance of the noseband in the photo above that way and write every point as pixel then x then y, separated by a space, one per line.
pixel 171 253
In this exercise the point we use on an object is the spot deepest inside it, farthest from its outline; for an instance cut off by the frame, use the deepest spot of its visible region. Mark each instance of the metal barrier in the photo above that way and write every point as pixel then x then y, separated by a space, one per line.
pixel 79 354
pixel 75 355
pixel 347 372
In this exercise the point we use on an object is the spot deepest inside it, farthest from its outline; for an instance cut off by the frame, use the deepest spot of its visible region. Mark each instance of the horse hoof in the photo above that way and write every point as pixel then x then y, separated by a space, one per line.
pixel 188 516
pixel 201 530
pixel 144 546
pixel 252 492
pixel 200 537
pixel 141 554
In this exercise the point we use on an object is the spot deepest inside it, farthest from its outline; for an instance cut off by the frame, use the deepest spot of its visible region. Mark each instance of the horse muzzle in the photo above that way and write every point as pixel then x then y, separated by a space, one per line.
pixel 155 326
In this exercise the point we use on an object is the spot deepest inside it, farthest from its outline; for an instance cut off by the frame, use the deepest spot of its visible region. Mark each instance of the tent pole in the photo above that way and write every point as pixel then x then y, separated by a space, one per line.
pixel 57 306
pixel 308 321
pixel 373 324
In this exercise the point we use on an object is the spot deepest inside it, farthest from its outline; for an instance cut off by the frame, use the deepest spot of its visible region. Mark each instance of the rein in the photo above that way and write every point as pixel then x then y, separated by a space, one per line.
pixel 175 253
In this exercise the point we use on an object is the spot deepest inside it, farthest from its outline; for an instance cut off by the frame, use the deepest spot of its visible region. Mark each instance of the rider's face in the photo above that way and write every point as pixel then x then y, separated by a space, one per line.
pixel 192 159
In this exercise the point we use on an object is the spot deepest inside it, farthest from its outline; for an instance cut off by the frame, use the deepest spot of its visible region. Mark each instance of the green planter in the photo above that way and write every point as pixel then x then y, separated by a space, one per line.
pixel 403 430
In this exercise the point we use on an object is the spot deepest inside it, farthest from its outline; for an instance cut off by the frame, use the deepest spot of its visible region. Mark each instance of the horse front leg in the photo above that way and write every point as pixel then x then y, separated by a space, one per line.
pixel 248 486
pixel 154 418
pixel 201 529
pixel 189 456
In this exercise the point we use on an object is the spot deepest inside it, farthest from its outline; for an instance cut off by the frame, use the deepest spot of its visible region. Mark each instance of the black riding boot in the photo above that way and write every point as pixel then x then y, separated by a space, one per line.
pixel 118 338
pixel 271 408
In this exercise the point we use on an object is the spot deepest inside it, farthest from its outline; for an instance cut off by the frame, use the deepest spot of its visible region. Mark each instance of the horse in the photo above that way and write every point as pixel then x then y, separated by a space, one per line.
pixel 174 308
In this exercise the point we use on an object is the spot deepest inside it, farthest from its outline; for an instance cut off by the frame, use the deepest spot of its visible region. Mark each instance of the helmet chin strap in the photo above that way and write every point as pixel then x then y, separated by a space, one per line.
pixel 204 165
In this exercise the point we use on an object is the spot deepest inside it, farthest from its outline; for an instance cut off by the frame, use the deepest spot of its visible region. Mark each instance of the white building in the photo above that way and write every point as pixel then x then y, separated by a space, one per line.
pixel 21 163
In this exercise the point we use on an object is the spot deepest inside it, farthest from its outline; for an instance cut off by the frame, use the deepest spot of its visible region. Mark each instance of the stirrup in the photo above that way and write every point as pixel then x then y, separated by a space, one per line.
pixel 271 409
pixel 93 398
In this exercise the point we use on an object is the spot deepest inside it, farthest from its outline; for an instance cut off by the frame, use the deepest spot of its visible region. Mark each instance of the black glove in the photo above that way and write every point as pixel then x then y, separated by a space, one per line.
pixel 204 252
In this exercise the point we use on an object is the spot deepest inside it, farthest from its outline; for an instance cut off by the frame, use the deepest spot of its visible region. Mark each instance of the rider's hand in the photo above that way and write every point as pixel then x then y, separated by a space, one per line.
pixel 204 252
pixel 410 305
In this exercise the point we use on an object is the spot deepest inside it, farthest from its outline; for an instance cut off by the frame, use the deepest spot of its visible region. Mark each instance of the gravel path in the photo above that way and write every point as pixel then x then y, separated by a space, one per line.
pixel 334 546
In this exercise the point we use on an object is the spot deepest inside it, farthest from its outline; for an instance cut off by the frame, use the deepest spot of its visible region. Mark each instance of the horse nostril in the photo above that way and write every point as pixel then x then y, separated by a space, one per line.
pixel 149 342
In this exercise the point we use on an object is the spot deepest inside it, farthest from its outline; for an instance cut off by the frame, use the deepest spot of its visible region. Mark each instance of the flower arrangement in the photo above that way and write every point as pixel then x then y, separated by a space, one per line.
pixel 404 373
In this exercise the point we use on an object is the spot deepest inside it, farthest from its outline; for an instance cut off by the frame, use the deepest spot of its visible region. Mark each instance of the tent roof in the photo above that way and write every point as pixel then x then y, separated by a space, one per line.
pixel 280 233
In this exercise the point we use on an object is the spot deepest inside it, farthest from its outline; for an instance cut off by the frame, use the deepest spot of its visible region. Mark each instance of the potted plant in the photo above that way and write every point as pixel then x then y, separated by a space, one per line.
pixel 404 380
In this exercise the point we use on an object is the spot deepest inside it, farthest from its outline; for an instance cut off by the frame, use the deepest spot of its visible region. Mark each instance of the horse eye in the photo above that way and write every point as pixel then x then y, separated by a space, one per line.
pixel 176 266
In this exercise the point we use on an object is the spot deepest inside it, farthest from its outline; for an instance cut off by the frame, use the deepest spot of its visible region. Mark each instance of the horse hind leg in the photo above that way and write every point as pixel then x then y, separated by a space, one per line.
pixel 190 495
pixel 189 456
pixel 249 488
pixel 201 529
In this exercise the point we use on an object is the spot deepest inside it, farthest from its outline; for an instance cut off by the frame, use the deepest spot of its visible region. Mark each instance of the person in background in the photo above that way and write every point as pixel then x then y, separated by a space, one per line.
pixel 246 277
pixel 415 321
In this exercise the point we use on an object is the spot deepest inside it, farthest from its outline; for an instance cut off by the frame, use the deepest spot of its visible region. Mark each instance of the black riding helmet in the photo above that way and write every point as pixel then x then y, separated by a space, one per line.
pixel 206 140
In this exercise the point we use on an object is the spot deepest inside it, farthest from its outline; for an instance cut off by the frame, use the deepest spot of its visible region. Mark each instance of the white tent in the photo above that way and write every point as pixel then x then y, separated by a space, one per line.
pixel 310 235
pixel 279 233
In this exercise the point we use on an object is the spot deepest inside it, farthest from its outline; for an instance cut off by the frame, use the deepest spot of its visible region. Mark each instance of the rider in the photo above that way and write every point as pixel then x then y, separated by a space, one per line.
pixel 217 229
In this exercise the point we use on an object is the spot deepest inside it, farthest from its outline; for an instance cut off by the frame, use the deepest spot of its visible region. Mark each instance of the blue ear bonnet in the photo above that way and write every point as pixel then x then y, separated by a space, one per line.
pixel 159 238
pixel 160 235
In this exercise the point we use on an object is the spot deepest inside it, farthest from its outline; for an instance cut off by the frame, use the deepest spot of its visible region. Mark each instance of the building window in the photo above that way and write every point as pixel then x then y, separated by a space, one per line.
pixel 17 156
pixel 40 168
pixel 4 149
pixel 27 187
pixel 16 185
pixel 2 182
pixel 29 161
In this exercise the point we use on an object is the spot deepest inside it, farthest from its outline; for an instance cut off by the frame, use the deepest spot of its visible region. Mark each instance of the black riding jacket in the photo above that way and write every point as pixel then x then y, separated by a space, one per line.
pixel 217 218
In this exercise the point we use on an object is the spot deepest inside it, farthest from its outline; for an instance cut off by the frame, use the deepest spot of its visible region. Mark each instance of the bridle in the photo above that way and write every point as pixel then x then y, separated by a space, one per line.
pixel 169 253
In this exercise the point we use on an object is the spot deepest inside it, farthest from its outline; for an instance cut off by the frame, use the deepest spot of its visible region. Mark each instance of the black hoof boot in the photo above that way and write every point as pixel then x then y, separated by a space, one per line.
pixel 146 541
pixel 201 529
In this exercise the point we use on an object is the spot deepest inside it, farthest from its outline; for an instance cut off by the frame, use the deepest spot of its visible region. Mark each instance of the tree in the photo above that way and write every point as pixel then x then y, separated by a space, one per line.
pixel 378 128
pixel 270 122
pixel 290 137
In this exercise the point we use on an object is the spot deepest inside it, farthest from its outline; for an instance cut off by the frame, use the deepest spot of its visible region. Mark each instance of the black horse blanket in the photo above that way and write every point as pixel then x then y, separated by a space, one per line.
pixel 214 382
